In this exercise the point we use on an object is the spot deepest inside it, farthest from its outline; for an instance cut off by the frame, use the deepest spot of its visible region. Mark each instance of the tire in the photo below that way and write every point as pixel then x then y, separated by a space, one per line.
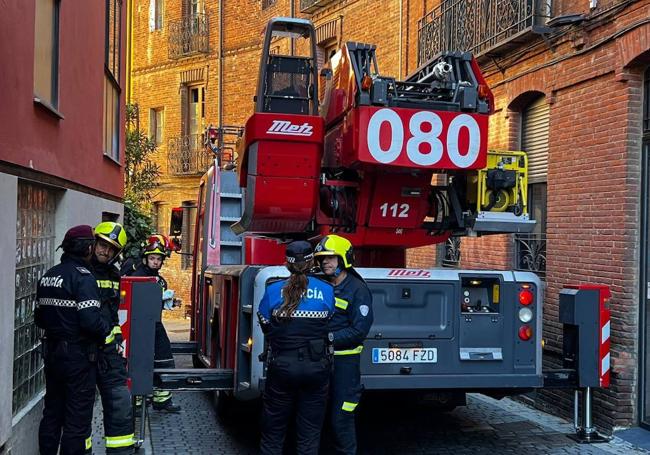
pixel 225 406
pixel 196 362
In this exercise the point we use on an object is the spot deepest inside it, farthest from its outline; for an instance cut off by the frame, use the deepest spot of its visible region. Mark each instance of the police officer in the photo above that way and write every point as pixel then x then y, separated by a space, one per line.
pixel 294 314
pixel 349 325
pixel 68 309
pixel 154 253
pixel 111 375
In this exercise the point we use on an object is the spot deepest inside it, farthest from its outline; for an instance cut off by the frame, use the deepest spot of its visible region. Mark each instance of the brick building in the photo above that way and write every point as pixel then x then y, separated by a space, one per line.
pixel 61 155
pixel 570 80
pixel 571 88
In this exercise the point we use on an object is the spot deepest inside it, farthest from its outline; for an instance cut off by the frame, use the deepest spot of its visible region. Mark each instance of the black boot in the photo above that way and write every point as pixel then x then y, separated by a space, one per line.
pixel 166 406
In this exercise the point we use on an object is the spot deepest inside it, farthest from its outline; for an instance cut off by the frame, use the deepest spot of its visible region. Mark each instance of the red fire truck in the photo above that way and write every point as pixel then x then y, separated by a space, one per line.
pixel 390 165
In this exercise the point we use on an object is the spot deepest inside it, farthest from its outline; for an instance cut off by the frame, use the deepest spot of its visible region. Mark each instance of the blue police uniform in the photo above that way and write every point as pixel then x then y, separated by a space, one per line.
pixel 68 309
pixel 298 366
pixel 349 325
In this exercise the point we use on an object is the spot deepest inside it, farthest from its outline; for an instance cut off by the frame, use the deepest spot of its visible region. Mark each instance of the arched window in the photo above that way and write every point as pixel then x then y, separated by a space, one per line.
pixel 530 249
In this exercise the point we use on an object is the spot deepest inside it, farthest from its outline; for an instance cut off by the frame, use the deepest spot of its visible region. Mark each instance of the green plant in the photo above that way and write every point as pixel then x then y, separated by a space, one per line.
pixel 141 177
pixel 138 227
pixel 141 173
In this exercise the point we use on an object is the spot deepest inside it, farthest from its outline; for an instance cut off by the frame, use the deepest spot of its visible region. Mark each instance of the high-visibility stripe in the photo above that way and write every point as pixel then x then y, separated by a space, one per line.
pixel 108 284
pixel 89 442
pixel 348 406
pixel 341 303
pixel 111 336
pixel 160 396
pixel 356 350
pixel 120 441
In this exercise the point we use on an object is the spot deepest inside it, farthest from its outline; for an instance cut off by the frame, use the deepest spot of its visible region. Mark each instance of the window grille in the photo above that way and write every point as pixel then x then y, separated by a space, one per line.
pixel 34 256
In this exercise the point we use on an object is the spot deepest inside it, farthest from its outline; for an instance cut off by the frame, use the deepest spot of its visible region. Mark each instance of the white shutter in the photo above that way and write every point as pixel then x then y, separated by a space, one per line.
pixel 534 139
pixel 152 15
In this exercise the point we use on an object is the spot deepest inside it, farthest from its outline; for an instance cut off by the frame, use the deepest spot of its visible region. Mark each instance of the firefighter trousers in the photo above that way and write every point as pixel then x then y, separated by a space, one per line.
pixel 294 383
pixel 70 380
pixel 345 393
pixel 163 358
pixel 116 401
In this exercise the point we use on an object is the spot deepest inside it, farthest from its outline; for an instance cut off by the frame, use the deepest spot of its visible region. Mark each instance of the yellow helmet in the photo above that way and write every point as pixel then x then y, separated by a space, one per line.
pixel 112 233
pixel 335 245
pixel 157 244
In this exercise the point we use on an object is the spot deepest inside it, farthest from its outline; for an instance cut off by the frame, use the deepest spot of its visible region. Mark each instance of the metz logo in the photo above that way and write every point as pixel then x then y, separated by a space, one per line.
pixel 288 128
pixel 405 273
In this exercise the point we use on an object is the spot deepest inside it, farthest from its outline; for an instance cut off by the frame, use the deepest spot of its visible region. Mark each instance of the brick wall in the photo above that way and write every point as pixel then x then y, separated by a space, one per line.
pixel 158 82
pixel 593 180
pixel 590 76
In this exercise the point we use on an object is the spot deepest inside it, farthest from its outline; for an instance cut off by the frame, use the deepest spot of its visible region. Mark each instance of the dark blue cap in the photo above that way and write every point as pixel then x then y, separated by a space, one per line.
pixel 299 251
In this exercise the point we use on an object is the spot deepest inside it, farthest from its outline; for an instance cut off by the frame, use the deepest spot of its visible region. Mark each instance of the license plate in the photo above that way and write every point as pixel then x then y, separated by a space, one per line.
pixel 404 355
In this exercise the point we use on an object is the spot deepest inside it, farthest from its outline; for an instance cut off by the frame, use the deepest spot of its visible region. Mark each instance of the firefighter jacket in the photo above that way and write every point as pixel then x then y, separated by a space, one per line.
pixel 67 303
pixel 144 270
pixel 307 323
pixel 108 282
pixel 352 317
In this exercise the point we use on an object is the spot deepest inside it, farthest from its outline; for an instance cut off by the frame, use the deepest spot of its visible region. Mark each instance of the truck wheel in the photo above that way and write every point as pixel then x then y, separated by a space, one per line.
pixel 196 362
pixel 224 404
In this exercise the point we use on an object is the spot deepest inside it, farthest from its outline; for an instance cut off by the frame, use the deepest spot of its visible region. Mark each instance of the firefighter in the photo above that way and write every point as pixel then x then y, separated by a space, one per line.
pixel 294 315
pixel 349 326
pixel 111 374
pixel 156 249
pixel 68 309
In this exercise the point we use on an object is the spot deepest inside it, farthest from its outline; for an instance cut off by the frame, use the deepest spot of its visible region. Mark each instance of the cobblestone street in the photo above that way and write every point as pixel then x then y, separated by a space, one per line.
pixel 484 426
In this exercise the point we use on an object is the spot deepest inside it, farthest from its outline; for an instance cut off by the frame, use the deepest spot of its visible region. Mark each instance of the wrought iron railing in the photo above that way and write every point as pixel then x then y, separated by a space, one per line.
pixel 188 155
pixel 530 253
pixel 189 35
pixel 477 25
pixel 452 253
pixel 309 6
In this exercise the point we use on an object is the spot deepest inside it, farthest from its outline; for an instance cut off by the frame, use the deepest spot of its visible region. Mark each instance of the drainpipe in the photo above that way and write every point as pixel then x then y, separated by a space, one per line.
pixel 221 59
pixel 292 14
pixel 129 51
pixel 401 22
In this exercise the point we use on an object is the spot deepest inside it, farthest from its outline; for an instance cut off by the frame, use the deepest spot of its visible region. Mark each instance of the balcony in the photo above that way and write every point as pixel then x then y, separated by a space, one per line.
pixel 530 253
pixel 309 6
pixel 482 27
pixel 189 36
pixel 187 155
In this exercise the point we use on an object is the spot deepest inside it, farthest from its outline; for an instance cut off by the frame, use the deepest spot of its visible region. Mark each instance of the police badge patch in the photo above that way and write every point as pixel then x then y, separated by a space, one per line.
pixel 364 310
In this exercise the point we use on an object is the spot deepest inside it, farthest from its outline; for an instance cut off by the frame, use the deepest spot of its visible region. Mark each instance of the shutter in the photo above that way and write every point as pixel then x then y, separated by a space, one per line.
pixel 534 139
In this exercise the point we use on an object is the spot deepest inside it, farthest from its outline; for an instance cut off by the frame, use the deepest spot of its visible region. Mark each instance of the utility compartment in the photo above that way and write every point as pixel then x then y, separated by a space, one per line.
pixel 452 329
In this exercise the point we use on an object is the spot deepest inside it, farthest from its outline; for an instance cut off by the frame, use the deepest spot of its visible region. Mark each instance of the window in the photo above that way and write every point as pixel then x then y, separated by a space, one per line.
pixel 156 124
pixel 110 216
pixel 111 79
pixel 187 236
pixel 34 256
pixel 196 110
pixel 530 249
pixel 158 14
pixel 267 3
pixel 196 7
pixel 46 52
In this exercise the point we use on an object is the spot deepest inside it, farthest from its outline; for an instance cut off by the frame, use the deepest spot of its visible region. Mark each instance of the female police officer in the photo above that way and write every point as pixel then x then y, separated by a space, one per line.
pixel 294 315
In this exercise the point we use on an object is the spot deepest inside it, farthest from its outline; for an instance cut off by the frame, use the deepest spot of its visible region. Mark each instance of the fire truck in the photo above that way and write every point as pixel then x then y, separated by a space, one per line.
pixel 390 165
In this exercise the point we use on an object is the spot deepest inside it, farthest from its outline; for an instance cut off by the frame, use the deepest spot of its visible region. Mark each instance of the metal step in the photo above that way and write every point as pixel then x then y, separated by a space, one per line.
pixel 560 378
pixel 184 347
pixel 192 379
